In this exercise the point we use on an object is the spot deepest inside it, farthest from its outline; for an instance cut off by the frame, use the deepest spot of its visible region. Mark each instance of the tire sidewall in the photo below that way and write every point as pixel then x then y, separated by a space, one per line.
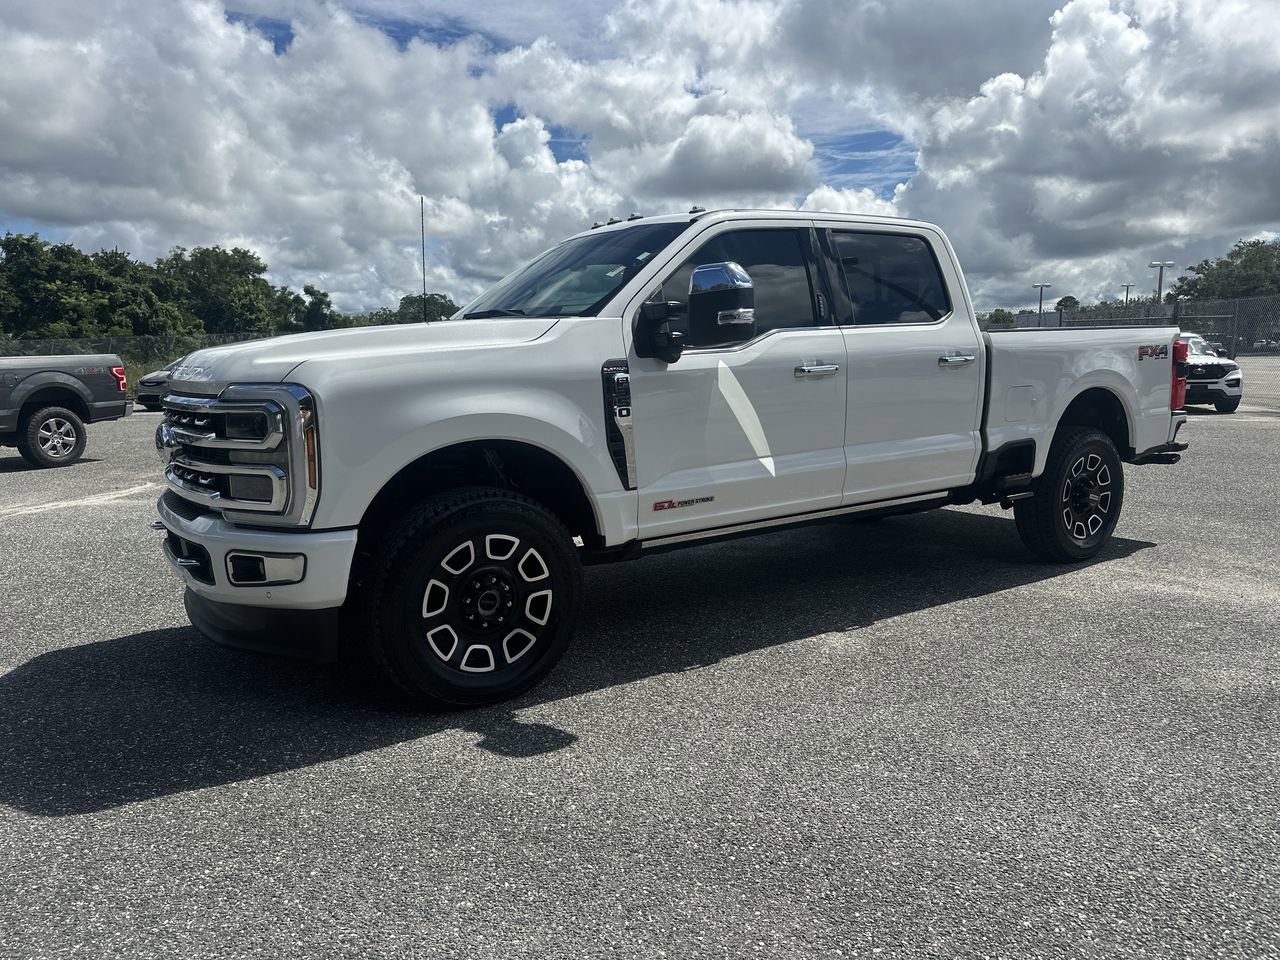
pixel 400 617
pixel 30 447
pixel 1100 444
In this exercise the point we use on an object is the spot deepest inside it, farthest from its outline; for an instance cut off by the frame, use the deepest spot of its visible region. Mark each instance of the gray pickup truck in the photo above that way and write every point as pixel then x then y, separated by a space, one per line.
pixel 45 403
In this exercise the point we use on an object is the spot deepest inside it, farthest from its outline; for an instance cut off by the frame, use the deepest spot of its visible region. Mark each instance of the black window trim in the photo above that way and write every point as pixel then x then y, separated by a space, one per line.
pixel 836 271
pixel 811 252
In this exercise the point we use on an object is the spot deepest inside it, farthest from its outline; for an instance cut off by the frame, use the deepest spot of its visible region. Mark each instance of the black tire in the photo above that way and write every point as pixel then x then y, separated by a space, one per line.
pixel 450 601
pixel 1077 499
pixel 1227 406
pixel 51 437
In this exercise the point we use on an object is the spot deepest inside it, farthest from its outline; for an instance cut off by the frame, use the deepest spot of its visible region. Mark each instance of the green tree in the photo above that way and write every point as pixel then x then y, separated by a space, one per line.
pixel 318 314
pixel 439 307
pixel 1067 303
pixel 224 289
pixel 995 319
pixel 1250 269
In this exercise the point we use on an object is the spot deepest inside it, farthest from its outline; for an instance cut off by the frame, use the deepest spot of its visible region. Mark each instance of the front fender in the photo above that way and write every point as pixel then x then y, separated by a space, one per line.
pixel 357 461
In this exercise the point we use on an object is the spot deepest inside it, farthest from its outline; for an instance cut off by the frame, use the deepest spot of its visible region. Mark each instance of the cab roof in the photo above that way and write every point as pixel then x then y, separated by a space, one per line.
pixel 739 213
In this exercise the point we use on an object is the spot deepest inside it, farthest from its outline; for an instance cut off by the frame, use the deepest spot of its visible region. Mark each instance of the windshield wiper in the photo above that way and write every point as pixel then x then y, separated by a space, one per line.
pixel 489 314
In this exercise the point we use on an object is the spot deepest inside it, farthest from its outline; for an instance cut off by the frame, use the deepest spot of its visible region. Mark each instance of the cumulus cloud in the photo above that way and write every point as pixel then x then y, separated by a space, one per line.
pixel 1068 146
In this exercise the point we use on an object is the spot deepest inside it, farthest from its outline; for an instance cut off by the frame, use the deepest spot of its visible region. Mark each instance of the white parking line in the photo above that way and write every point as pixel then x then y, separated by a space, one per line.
pixel 82 502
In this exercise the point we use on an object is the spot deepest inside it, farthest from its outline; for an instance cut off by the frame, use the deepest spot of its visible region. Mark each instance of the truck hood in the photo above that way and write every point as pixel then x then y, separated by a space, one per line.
pixel 208 371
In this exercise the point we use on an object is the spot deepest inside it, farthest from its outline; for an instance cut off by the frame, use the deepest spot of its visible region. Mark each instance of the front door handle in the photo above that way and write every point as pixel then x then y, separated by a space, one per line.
pixel 816 369
pixel 954 358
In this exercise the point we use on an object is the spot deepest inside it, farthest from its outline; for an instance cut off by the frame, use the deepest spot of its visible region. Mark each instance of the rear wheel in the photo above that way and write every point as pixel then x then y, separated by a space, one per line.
pixel 51 437
pixel 1227 406
pixel 1078 498
pixel 473 599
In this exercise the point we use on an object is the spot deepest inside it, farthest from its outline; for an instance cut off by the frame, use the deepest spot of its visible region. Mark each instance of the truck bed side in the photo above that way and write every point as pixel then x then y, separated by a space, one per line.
pixel 1035 375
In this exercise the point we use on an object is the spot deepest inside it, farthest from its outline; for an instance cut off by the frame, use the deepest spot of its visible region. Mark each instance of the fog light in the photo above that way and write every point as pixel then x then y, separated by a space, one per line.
pixel 265 569
pixel 258 489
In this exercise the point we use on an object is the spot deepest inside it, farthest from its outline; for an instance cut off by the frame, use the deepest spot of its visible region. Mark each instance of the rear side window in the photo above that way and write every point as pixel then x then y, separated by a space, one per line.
pixel 891 278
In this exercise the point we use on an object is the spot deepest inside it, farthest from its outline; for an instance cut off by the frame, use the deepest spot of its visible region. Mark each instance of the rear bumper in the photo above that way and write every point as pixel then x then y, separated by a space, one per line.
pixel 1170 452
pixel 110 410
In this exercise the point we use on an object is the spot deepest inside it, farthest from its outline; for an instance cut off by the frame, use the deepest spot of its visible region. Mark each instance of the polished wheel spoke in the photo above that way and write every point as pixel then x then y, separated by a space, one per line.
pixel 443 640
pixel 478 659
pixel 517 643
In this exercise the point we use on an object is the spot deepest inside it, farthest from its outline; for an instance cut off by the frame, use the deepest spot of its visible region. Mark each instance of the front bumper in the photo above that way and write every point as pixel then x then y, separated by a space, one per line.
pixel 327 568
pixel 305 634
pixel 1207 391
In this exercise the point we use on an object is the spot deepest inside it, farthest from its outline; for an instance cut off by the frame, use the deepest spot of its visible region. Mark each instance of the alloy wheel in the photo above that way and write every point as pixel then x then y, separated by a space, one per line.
pixel 1086 497
pixel 487 604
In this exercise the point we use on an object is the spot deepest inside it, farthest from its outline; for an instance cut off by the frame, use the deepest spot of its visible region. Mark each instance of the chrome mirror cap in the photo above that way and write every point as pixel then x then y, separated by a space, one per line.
pixel 711 277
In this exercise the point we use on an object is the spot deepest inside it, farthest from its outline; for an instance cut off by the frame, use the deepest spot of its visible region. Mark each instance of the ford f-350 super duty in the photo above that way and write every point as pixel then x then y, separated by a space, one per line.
pixel 429 493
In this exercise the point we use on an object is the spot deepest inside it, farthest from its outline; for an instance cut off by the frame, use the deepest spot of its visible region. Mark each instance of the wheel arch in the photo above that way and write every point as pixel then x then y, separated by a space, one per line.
pixel 51 389
pixel 1100 406
pixel 511 464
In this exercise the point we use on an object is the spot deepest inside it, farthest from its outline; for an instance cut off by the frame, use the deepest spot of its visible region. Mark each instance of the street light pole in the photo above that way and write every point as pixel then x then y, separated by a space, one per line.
pixel 1041 287
pixel 1126 291
pixel 1161 264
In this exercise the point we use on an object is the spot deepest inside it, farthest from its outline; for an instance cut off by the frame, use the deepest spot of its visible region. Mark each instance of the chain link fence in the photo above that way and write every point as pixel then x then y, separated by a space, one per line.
pixel 141 355
pixel 1247 329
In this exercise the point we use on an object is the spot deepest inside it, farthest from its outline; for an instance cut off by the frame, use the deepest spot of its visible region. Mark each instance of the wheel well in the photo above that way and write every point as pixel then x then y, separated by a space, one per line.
pixel 54 397
pixel 507 464
pixel 1099 407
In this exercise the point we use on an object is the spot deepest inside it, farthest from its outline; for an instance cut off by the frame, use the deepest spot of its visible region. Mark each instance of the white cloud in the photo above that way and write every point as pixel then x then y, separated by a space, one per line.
pixel 1070 146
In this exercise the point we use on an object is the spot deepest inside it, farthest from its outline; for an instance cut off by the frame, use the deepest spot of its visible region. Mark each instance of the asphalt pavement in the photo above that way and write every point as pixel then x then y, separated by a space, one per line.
pixel 899 738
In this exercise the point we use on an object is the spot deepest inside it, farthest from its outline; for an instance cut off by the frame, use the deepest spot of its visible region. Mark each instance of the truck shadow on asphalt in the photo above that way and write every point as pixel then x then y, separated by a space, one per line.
pixel 118 721
pixel 19 465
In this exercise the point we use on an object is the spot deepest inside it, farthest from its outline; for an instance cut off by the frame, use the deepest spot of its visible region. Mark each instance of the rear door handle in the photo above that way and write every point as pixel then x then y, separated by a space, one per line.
pixel 817 369
pixel 954 358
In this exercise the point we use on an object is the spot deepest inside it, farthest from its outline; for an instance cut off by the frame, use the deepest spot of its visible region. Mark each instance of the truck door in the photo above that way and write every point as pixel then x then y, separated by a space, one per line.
pixel 749 422
pixel 915 362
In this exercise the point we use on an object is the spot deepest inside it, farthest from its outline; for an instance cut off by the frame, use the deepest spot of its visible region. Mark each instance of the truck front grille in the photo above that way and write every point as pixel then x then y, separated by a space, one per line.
pixel 227 455
pixel 1206 371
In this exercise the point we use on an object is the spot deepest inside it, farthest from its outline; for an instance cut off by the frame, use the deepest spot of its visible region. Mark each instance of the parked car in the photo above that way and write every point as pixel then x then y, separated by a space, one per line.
pixel 1211 378
pixel 431 492
pixel 45 403
pixel 151 387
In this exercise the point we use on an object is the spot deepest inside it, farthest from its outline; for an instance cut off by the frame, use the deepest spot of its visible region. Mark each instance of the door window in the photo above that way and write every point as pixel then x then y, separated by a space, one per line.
pixel 776 261
pixel 891 278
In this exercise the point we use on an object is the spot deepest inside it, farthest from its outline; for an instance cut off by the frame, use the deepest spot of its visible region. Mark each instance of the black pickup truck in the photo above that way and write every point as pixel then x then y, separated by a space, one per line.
pixel 46 401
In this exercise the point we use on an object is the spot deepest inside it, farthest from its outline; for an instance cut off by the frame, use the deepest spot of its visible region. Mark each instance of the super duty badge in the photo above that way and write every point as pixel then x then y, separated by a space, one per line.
pixel 677 504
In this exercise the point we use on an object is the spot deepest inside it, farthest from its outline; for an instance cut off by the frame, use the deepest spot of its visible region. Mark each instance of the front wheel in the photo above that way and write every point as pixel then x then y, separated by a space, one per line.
pixel 52 437
pixel 472 600
pixel 1229 405
pixel 1077 499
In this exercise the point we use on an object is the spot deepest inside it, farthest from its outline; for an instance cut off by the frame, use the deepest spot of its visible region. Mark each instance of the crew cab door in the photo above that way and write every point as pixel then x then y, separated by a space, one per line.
pixel 749 422
pixel 915 361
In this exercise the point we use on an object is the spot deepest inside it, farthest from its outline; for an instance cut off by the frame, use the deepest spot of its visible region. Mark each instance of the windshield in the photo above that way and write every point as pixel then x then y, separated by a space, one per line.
pixel 1198 345
pixel 577 278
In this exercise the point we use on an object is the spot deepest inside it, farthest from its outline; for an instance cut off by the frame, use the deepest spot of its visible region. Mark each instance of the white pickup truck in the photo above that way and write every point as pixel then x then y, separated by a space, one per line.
pixel 429 494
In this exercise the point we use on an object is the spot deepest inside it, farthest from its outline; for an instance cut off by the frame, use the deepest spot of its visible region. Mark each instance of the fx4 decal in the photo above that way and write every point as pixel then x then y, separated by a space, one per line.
pixel 677 504
pixel 1155 352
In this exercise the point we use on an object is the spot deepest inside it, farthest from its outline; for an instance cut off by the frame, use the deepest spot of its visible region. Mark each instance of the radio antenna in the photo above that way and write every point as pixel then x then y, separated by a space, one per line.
pixel 422 209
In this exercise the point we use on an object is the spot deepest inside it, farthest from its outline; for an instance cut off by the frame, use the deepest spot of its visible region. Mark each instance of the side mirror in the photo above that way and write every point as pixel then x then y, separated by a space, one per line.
pixel 722 302
pixel 654 335
pixel 1223 353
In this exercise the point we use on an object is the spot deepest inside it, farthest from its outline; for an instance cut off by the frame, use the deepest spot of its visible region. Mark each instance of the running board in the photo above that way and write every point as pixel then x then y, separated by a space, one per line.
pixel 796 519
